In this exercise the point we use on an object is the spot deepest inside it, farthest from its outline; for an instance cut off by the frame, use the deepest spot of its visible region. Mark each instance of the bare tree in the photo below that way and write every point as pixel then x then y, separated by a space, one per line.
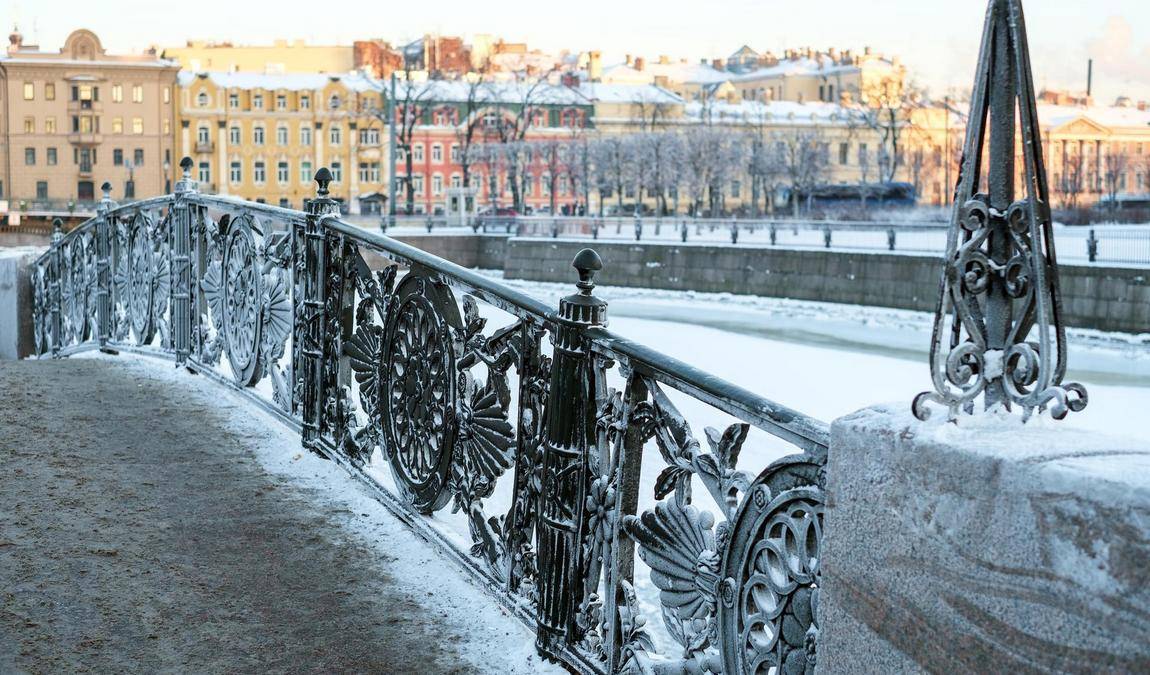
pixel 552 154
pixel 409 111
pixel 804 161
pixel 662 153
pixel 469 125
pixel 611 168
pixel 1115 165
pixel 1073 179
pixel 511 129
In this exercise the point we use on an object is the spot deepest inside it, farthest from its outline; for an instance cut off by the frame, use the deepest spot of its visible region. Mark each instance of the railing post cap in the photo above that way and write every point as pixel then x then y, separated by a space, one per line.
pixel 186 165
pixel 323 179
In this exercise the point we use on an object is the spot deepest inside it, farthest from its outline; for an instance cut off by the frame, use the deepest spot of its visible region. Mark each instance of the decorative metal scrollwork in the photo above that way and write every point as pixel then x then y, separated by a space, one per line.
pixel 769 587
pixel 998 328
pixel 242 291
pixel 139 277
pixel 419 395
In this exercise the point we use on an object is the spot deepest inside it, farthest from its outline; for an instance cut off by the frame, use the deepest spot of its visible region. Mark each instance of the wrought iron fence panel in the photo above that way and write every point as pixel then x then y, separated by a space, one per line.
pixel 544 454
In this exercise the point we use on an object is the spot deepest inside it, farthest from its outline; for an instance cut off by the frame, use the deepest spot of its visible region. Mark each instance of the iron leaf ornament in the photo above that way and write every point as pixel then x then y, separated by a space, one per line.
pixel 998 329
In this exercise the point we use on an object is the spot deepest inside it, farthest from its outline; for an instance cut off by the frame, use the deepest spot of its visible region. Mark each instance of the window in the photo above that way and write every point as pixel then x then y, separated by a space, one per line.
pixel 203 135
pixel 138 157
pixel 50 125
pixel 29 125
pixel 305 171
pixel 41 189
pixel 437 153
pixel 236 171
pixel 335 134
pixel 285 203
pixel 257 102
pixel 304 102
pixel 258 135
pixel 337 171
pixel 51 157
pixel 281 135
pixel 137 125
pixel 234 135
pixel 454 152
pixel 205 175
pixel 167 127
pixel 30 156
pixel 118 157
pixel 29 91
pixel 736 189
pixel 844 153
pixel 50 91
pixel 417 152
pixel 282 171
pixel 369 136
pixel 233 100
pixel 137 93
pixel 259 172
pixel 281 102
pixel 202 99
pixel 417 183
pixel 456 180
pixel 167 94
pixel 117 125
pixel 334 102
pixel 117 93
pixel 305 135
pixel 369 172
pixel 437 185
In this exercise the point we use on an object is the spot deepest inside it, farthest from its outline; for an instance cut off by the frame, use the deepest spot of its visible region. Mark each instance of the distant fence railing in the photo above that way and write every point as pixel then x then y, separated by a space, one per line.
pixel 1109 244
pixel 579 493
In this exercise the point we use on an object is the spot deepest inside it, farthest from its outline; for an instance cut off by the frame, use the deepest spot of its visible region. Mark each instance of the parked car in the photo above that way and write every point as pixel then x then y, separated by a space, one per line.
pixel 502 211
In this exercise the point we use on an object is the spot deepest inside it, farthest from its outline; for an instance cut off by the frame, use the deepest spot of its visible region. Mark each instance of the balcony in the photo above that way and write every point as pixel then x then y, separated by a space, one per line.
pixel 86 169
pixel 205 146
pixel 85 138
pixel 85 106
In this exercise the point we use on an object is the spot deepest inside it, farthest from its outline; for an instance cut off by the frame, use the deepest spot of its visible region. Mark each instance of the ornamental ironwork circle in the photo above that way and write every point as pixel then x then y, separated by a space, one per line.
pixel 770 575
pixel 78 291
pixel 140 273
pixel 419 390
pixel 40 308
pixel 242 293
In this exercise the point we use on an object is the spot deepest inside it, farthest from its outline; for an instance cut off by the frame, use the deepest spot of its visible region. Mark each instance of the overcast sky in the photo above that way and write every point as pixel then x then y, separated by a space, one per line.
pixel 936 38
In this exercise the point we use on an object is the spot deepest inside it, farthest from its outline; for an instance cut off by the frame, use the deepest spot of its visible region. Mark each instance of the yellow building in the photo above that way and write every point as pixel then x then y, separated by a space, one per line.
pixel 263 137
pixel 280 57
pixel 77 117
pixel 832 77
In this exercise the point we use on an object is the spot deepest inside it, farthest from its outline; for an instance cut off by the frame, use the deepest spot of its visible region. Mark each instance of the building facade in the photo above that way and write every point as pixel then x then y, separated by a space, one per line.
pixel 263 137
pixel 76 118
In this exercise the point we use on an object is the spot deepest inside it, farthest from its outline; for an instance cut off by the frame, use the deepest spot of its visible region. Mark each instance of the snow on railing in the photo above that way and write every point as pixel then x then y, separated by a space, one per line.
pixel 579 493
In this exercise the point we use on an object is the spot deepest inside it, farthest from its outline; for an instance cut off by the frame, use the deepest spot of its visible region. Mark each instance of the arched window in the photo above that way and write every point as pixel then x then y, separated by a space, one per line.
pixel 202 99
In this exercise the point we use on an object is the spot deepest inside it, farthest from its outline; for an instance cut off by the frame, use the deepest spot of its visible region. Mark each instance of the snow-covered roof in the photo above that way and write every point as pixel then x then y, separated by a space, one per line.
pixel 607 92
pixel 785 112
pixel 458 91
pixel 276 81
pixel 802 66
pixel 686 73
pixel 1051 116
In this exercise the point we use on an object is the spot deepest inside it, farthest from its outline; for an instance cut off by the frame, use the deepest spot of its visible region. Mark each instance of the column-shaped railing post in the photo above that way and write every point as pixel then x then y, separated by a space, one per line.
pixel 181 301
pixel 56 290
pixel 570 429
pixel 309 265
pixel 103 235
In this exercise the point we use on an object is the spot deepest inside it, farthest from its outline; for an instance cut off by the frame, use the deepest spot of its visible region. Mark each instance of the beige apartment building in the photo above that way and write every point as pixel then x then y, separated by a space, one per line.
pixel 281 56
pixel 262 137
pixel 75 118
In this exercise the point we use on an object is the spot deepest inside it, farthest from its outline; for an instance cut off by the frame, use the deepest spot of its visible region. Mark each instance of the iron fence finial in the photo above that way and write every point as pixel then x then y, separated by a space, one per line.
pixel 186 167
pixel 323 179
pixel 998 329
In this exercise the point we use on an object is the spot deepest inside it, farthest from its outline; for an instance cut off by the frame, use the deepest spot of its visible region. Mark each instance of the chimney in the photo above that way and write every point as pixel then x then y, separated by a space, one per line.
pixel 595 66
pixel 664 60
pixel 1089 78
pixel 640 63
pixel 717 64
pixel 627 59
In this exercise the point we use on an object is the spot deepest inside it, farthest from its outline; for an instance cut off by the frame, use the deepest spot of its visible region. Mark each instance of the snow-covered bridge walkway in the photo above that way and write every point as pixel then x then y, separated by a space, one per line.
pixel 149 525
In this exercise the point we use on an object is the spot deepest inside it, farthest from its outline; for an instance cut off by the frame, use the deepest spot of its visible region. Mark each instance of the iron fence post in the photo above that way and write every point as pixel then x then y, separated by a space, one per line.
pixel 890 238
pixel 1092 247
pixel 774 234
pixel 309 262
pixel 570 420
pixel 103 267
pixel 826 237
pixel 683 231
pixel 55 289
pixel 181 263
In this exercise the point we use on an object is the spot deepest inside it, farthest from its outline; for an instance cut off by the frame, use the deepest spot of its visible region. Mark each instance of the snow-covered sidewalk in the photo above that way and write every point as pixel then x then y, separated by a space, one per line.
pixel 154 521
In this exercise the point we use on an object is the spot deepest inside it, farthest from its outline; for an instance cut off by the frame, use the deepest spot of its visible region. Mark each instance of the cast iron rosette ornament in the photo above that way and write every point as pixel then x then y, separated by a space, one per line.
pixel 998 328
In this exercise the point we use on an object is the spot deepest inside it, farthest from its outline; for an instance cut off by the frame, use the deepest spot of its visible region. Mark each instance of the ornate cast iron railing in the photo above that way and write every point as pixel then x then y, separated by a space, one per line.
pixel 559 447
pixel 998 329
